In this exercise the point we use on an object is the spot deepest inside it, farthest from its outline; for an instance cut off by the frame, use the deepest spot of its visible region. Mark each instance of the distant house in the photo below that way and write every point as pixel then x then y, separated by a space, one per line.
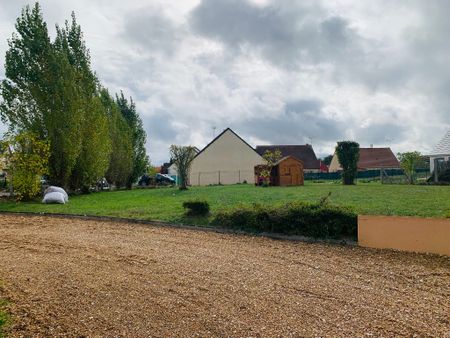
pixel 304 153
pixel 227 159
pixel 164 169
pixel 370 158
pixel 441 152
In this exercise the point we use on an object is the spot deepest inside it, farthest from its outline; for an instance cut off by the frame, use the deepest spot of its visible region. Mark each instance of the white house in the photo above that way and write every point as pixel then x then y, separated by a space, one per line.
pixel 441 152
pixel 227 159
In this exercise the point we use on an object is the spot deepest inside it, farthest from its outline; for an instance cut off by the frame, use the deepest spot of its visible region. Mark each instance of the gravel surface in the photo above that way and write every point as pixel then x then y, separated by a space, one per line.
pixel 68 277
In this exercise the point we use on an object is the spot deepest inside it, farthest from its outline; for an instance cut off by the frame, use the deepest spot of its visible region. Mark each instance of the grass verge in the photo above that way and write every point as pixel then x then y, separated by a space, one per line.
pixel 166 204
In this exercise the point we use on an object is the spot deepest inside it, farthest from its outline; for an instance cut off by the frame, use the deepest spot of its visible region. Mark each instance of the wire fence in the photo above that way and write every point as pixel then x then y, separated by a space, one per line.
pixel 385 176
pixel 221 177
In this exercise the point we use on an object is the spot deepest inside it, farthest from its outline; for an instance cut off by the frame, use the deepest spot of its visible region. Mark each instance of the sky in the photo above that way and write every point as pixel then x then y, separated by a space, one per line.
pixel 275 71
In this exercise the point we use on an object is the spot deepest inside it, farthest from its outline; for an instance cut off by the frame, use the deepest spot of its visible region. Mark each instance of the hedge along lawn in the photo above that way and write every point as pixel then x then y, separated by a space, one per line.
pixel 166 203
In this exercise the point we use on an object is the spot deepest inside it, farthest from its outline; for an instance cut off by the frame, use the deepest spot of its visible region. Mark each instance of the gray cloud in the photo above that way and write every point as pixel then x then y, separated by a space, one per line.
pixel 380 134
pixel 152 31
pixel 287 33
pixel 283 71
pixel 300 122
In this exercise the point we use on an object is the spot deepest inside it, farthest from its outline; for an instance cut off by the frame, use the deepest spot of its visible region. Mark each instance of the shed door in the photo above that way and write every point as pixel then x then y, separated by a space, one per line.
pixel 295 175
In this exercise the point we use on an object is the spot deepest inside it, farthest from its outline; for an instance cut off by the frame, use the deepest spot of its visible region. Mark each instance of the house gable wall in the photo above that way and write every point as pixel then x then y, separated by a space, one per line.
pixel 334 164
pixel 227 160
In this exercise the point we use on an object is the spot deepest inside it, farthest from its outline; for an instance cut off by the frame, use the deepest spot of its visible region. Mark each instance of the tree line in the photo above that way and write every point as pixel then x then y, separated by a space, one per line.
pixel 51 92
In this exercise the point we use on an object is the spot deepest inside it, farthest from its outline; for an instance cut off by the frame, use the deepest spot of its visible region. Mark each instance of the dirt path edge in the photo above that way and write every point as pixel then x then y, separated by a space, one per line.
pixel 182 226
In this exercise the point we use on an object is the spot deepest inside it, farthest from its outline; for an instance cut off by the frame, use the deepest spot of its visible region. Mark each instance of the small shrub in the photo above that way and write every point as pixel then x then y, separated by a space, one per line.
pixel 317 220
pixel 196 208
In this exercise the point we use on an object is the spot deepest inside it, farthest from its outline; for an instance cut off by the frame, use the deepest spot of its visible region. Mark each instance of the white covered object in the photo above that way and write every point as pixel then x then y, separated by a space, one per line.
pixel 57 189
pixel 54 197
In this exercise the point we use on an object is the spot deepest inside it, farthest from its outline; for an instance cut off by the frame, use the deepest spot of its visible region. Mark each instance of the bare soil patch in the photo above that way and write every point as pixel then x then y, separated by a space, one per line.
pixel 69 277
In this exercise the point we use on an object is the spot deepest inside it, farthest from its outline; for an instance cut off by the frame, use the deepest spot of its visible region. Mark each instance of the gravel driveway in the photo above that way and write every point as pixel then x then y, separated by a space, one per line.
pixel 68 277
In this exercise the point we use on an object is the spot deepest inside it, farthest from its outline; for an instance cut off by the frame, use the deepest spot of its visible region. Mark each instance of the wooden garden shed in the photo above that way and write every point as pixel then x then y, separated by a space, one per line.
pixel 288 171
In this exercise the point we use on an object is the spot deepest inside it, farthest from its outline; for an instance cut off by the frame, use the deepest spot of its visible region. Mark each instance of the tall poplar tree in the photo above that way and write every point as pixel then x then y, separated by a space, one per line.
pixel 38 93
pixel 121 160
pixel 93 160
pixel 51 91
pixel 139 138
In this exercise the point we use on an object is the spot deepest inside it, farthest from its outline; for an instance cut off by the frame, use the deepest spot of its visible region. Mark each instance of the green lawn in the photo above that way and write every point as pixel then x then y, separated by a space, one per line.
pixel 166 203
pixel 4 317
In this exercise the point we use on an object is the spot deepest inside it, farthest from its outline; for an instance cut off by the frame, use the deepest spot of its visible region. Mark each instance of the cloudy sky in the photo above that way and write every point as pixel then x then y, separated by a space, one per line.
pixel 276 71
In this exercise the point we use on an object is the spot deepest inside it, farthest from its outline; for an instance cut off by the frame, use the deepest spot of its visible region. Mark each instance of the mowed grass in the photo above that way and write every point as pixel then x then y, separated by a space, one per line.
pixel 166 203
pixel 4 317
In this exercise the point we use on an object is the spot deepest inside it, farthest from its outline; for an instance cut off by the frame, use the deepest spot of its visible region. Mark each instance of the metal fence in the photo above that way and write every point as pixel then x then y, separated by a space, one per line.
pixel 221 177
pixel 383 175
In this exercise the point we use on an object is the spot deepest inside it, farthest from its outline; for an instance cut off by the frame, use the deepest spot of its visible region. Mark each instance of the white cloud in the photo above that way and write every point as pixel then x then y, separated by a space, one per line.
pixel 276 71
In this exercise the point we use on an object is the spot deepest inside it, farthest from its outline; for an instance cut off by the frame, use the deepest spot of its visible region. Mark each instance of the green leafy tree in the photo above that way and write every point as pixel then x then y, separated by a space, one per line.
pixel 27 68
pixel 51 91
pixel 121 159
pixel 93 159
pixel 39 95
pixel 27 159
pixel 348 156
pixel 409 162
pixel 139 138
pixel 270 158
pixel 70 40
pixel 182 157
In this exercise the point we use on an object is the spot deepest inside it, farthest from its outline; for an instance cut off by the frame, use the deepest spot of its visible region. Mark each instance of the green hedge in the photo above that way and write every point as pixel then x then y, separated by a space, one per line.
pixel 318 220
pixel 196 208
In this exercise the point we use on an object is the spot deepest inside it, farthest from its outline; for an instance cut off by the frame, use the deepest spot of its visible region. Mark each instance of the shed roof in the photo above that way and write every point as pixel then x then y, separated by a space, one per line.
pixel 377 158
pixel 443 146
pixel 303 152
pixel 286 157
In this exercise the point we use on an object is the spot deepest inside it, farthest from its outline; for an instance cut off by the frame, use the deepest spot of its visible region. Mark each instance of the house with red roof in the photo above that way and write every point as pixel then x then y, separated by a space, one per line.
pixel 370 159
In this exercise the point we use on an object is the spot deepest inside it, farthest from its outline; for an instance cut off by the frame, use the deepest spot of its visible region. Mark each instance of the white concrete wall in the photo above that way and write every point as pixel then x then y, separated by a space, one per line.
pixel 172 170
pixel 226 161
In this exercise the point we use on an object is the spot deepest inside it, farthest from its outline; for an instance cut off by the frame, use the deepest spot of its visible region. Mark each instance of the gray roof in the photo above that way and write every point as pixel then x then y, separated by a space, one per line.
pixel 303 152
pixel 443 147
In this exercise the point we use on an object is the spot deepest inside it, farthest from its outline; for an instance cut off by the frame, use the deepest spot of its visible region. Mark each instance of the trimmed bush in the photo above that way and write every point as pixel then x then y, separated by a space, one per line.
pixel 196 208
pixel 318 220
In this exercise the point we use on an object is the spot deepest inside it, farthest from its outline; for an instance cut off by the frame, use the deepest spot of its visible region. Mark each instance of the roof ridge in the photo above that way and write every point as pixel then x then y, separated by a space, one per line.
pixel 443 146
pixel 218 136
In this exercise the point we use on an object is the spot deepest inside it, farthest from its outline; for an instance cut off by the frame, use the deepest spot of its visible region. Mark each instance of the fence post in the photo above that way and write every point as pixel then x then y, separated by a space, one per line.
pixel 239 176
pixel 436 169
pixel 199 177
pixel 219 176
